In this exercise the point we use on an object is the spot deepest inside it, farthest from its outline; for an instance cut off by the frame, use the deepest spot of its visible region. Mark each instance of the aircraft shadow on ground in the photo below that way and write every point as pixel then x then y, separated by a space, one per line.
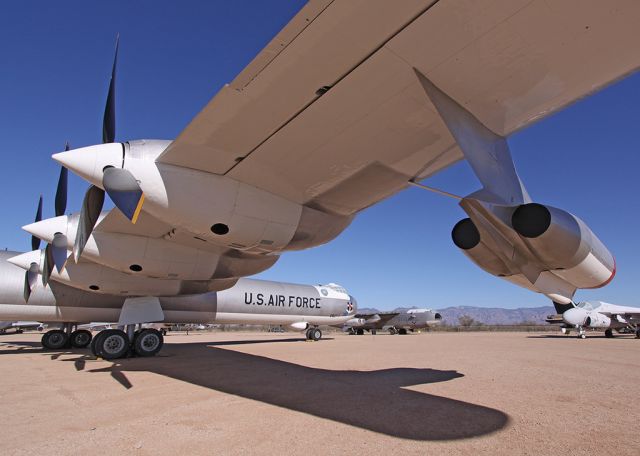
pixel 372 400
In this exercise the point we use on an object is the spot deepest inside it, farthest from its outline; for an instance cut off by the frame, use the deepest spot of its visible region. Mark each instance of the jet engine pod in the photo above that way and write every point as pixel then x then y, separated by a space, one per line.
pixel 564 244
pixel 466 236
pixel 597 320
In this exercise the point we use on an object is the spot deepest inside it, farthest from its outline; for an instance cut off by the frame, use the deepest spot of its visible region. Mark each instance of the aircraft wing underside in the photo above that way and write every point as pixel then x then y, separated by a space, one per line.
pixel 331 114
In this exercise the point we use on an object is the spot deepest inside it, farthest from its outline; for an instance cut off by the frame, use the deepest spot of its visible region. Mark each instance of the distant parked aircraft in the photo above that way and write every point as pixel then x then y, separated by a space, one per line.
pixel 395 322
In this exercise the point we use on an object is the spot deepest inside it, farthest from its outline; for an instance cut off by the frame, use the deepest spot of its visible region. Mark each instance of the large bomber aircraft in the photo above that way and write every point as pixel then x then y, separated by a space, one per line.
pixel 395 322
pixel 303 307
pixel 350 103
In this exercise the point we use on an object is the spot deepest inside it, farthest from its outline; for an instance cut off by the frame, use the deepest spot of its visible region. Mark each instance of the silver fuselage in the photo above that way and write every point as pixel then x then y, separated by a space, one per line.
pixel 250 301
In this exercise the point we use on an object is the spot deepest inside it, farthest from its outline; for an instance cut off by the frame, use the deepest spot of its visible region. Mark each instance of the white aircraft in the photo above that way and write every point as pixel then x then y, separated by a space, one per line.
pixel 601 315
pixel 20 326
pixel 350 103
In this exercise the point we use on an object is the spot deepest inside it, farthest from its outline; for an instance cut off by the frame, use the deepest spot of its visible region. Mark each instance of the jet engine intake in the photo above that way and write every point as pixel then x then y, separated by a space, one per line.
pixel 597 320
pixel 466 236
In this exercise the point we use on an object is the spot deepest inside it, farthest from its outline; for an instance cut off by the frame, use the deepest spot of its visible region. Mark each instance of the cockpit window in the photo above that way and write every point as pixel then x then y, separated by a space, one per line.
pixel 336 287
pixel 586 305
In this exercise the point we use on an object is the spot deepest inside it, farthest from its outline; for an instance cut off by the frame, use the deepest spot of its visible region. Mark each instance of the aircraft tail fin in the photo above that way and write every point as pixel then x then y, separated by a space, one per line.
pixel 562 308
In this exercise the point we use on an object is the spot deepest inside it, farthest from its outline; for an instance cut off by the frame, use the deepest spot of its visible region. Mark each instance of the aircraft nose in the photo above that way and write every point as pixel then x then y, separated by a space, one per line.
pixel 354 305
pixel 575 317
pixel 89 162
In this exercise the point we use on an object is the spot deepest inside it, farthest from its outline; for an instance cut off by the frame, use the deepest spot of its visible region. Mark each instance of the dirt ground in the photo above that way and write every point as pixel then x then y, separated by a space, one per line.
pixel 259 393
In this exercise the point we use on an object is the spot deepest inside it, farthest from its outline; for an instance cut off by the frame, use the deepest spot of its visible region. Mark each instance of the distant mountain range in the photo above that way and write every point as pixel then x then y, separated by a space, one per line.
pixel 486 315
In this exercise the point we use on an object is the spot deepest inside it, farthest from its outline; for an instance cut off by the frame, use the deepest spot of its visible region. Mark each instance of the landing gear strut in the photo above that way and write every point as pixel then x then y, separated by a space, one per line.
pixel 608 332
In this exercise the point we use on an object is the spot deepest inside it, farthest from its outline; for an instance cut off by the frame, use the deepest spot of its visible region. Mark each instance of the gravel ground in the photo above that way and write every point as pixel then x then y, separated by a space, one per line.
pixel 255 393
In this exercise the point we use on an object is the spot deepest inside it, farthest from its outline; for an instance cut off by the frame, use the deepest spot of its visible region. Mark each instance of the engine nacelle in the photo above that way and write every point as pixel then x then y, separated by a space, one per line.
pixel 155 257
pixel 564 244
pixel 214 207
pixel 466 236
pixel 355 322
pixel 597 320
pixel 94 277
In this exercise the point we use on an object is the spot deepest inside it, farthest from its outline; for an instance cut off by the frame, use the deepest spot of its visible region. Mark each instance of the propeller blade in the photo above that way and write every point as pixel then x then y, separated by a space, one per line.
pixel 35 242
pixel 124 191
pixel 109 119
pixel 59 251
pixel 30 279
pixel 91 208
pixel 61 191
pixel 47 265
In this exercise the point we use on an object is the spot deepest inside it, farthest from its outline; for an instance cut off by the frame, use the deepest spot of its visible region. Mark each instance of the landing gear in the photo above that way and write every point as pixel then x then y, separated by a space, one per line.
pixel 392 331
pixel 360 332
pixel 114 343
pixel 314 334
pixel 373 332
pixel 638 333
pixel 402 332
pixel 148 342
pixel 80 338
pixel 54 339
pixel 608 332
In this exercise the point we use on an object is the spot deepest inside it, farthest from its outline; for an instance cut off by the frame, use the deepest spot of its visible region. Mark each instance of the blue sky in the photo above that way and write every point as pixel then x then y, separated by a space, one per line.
pixel 174 56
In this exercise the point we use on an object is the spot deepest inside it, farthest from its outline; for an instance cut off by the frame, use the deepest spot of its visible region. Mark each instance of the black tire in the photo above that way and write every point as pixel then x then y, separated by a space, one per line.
pixel 402 332
pixel 608 332
pixel 360 332
pixel 19 331
pixel 392 331
pixel 148 343
pixel 308 334
pixel 94 346
pixel 54 339
pixel 80 338
pixel 113 344
pixel 316 334
pixel 637 333
pixel 373 332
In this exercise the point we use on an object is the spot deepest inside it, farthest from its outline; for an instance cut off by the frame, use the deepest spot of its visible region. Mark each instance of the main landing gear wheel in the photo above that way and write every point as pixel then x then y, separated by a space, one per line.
pixel 360 332
pixel 608 333
pixel 637 333
pixel 315 334
pixel 392 331
pixel 402 332
pixel 373 332
pixel 112 344
pixel 148 342
pixel 54 339
pixel 80 338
